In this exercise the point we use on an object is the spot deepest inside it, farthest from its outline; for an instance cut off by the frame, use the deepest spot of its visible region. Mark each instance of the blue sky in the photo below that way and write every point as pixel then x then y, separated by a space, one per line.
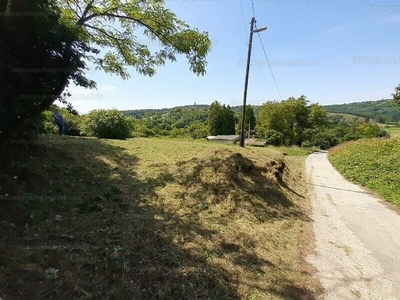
pixel 332 51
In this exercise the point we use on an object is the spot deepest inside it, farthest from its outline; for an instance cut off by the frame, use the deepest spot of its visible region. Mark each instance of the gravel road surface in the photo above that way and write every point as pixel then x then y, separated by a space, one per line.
pixel 357 237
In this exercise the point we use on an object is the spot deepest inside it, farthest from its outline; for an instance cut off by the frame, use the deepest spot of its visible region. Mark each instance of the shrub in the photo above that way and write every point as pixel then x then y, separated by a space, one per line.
pixel 198 130
pixel 274 137
pixel 108 124
pixel 72 123
pixel 177 132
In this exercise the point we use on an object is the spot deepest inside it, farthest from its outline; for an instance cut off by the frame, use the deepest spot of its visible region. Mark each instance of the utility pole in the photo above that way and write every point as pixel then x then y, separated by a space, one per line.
pixel 246 81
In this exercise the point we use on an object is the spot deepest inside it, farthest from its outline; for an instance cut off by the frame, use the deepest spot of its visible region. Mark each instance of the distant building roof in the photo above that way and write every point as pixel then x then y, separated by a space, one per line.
pixel 227 138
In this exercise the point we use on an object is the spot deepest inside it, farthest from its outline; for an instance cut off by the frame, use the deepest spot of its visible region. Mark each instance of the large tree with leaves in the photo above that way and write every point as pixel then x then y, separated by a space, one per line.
pixel 63 35
pixel 290 118
pixel 221 119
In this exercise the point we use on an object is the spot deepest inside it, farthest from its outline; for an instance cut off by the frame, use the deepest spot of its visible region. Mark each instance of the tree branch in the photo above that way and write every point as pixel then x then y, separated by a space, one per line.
pixel 160 36
pixel 83 17
pixel 117 40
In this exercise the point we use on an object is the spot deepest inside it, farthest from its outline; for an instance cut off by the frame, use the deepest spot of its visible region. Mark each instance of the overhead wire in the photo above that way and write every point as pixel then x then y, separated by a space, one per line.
pixel 262 45
pixel 252 7
pixel 244 21
pixel 269 65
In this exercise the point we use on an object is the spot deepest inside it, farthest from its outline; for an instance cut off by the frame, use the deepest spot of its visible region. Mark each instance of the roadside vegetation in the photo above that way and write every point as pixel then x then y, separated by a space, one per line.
pixel 290 122
pixel 83 218
pixel 374 163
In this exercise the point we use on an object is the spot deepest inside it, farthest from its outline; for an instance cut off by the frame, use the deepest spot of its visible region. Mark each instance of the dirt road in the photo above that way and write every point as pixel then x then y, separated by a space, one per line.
pixel 357 237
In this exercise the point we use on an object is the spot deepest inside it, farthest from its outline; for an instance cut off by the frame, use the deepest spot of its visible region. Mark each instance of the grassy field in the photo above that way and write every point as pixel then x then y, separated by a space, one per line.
pixel 393 130
pixel 85 218
pixel 374 163
pixel 352 118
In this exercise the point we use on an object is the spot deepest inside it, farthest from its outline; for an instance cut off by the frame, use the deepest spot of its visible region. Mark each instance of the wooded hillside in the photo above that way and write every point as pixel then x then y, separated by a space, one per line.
pixel 383 111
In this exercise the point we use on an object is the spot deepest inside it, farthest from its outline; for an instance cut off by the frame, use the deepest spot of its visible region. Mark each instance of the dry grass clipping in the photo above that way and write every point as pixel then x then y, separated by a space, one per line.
pixel 153 220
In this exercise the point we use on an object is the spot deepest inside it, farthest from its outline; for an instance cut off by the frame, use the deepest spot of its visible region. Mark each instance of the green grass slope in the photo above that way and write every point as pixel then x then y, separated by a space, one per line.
pixel 374 163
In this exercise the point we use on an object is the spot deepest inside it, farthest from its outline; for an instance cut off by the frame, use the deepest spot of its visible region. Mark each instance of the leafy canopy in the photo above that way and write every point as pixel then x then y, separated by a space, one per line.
pixel 118 26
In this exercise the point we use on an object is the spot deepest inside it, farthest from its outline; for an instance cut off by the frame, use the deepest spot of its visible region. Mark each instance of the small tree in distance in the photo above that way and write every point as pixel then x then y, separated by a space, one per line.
pixel 396 94
pixel 107 124
pixel 221 119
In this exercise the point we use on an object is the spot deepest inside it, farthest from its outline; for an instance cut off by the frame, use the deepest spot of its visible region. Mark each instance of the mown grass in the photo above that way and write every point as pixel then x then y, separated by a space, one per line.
pixel 374 163
pixel 152 219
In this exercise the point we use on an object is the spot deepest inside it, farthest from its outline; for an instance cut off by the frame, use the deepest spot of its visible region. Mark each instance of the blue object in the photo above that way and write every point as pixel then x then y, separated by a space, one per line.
pixel 59 120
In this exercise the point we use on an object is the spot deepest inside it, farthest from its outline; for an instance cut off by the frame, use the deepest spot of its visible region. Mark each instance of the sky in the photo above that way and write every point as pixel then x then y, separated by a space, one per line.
pixel 331 51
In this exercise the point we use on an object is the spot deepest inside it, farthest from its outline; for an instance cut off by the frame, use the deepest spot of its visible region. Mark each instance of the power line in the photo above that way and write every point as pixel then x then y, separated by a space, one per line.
pixel 244 22
pixel 269 65
pixel 265 77
pixel 265 53
pixel 252 6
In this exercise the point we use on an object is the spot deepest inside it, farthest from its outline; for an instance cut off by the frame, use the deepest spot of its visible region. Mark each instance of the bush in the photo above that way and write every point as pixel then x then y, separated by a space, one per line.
pixel 177 133
pixel 274 137
pixel 108 124
pixel 198 130
pixel 72 123
pixel 141 130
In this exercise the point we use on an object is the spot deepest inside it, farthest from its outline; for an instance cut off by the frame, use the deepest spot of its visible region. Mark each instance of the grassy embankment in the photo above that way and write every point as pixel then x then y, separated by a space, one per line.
pixel 374 163
pixel 152 219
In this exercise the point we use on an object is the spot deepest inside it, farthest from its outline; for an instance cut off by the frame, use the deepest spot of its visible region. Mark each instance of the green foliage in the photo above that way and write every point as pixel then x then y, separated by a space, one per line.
pixel 323 139
pixel 250 117
pixel 63 39
pixel 273 137
pixel 290 118
pixel 396 94
pixel 72 123
pixel 178 120
pixel 383 111
pixel 115 25
pixel 32 80
pixel 338 133
pixel 317 116
pixel 141 130
pixel 374 163
pixel 40 124
pixel 221 119
pixel 109 124
pixel 198 130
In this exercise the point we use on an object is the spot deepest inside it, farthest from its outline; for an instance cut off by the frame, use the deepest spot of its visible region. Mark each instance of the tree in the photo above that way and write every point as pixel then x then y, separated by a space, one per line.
pixel 291 121
pixel 270 117
pixel 296 114
pixel 396 94
pixel 30 79
pixel 70 33
pixel 108 124
pixel 317 117
pixel 250 118
pixel 221 119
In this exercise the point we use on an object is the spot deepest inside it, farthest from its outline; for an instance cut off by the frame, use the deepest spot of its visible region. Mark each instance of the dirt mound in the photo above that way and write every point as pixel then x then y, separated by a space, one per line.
pixel 276 168
pixel 229 182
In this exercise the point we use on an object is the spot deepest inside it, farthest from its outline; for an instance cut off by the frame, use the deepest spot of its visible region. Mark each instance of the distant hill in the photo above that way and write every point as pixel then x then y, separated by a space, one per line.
pixel 383 111
pixel 141 113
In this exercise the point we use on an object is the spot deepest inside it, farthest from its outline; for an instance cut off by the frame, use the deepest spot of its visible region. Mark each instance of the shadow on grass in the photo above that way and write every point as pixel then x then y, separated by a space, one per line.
pixel 77 223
